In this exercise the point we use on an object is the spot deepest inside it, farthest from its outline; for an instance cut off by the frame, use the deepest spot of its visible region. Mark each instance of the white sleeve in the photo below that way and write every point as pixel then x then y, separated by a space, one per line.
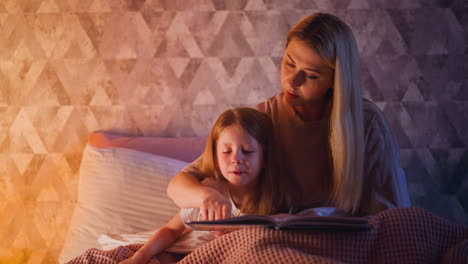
pixel 189 215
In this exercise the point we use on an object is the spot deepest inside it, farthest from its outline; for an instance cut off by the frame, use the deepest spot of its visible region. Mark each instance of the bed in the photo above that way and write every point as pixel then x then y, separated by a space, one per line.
pixel 122 190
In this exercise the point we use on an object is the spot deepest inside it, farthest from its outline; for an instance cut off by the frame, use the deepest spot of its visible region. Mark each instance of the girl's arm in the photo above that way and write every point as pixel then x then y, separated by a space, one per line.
pixel 161 240
pixel 187 192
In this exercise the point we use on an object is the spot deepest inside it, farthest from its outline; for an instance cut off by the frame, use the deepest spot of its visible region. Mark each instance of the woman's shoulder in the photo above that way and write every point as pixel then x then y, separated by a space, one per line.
pixel 376 126
pixel 271 105
pixel 373 115
pixel 369 107
pixel 274 107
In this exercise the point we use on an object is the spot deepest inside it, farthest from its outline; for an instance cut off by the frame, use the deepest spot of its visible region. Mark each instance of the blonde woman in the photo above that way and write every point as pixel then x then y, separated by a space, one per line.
pixel 336 148
pixel 238 165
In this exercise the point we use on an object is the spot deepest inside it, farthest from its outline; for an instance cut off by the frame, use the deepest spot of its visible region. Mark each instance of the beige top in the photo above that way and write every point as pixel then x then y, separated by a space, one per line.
pixel 303 152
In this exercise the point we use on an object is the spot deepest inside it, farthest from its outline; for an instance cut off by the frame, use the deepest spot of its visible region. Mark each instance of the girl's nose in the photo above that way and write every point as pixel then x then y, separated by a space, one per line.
pixel 237 158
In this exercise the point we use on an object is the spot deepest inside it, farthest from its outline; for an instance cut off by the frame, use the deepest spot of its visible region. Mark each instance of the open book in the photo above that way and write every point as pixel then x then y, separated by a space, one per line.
pixel 300 221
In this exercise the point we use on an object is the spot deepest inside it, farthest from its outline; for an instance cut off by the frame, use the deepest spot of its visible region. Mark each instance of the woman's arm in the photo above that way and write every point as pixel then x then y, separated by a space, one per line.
pixel 187 192
pixel 386 181
pixel 161 240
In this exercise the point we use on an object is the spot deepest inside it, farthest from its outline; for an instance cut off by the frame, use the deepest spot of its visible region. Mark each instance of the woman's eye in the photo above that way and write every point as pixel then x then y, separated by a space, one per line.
pixel 290 65
pixel 312 77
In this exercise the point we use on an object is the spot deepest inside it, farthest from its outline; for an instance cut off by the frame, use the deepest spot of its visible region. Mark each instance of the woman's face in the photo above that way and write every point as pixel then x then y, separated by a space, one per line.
pixel 305 78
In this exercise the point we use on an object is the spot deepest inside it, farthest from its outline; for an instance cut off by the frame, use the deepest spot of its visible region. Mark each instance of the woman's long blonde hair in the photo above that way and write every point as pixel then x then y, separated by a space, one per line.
pixel 334 41
pixel 269 199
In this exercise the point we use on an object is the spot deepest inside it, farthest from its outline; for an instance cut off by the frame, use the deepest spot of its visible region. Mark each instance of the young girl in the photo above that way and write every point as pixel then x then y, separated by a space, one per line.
pixel 238 163
pixel 337 148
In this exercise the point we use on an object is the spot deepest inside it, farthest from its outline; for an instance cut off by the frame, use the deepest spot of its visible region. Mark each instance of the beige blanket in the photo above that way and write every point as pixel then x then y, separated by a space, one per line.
pixel 404 235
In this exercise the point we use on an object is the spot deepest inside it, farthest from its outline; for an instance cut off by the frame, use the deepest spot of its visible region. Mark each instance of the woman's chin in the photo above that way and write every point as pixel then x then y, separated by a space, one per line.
pixel 293 102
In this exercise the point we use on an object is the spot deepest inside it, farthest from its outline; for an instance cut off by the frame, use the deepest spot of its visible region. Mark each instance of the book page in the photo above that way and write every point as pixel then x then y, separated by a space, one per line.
pixel 322 211
pixel 281 218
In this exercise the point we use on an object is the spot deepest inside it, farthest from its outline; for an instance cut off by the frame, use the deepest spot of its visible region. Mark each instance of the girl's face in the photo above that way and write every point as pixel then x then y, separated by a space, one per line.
pixel 240 156
pixel 305 78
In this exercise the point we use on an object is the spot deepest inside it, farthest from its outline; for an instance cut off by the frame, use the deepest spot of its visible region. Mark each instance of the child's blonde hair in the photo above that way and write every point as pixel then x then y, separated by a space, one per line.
pixel 269 198
pixel 334 41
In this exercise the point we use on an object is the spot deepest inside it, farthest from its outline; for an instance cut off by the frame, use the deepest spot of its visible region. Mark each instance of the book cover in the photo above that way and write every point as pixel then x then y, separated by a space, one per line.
pixel 286 222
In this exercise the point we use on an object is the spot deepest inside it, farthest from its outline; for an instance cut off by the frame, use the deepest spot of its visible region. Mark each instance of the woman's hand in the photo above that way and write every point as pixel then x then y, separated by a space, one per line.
pixel 214 205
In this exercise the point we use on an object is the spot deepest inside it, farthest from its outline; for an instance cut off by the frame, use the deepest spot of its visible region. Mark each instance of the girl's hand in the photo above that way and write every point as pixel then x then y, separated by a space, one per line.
pixel 135 259
pixel 130 260
pixel 215 205
pixel 219 233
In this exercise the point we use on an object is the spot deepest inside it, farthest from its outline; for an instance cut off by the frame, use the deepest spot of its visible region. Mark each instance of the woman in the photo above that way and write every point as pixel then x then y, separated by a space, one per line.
pixel 335 148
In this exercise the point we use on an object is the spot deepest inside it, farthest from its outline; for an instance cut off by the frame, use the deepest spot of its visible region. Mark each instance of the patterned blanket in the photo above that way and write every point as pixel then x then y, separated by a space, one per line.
pixel 403 235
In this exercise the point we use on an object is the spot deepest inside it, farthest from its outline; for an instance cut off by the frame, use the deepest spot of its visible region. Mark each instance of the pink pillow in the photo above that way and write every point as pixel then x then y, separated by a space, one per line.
pixel 185 149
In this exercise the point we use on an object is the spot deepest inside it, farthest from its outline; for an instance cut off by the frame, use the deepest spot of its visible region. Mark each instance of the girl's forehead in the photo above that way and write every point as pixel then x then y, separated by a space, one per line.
pixel 235 134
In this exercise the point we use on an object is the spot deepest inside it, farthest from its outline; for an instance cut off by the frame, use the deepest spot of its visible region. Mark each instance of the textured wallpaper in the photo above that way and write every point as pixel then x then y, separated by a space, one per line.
pixel 170 67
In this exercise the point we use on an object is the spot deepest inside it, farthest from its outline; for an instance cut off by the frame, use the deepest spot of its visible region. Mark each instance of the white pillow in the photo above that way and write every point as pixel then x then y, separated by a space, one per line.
pixel 120 191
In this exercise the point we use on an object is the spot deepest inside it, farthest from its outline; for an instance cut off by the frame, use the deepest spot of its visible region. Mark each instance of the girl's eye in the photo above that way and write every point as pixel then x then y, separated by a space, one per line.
pixel 226 151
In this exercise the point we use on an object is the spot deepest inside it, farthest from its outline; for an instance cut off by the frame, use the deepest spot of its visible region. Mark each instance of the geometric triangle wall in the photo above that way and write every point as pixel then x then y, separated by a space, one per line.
pixel 169 68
